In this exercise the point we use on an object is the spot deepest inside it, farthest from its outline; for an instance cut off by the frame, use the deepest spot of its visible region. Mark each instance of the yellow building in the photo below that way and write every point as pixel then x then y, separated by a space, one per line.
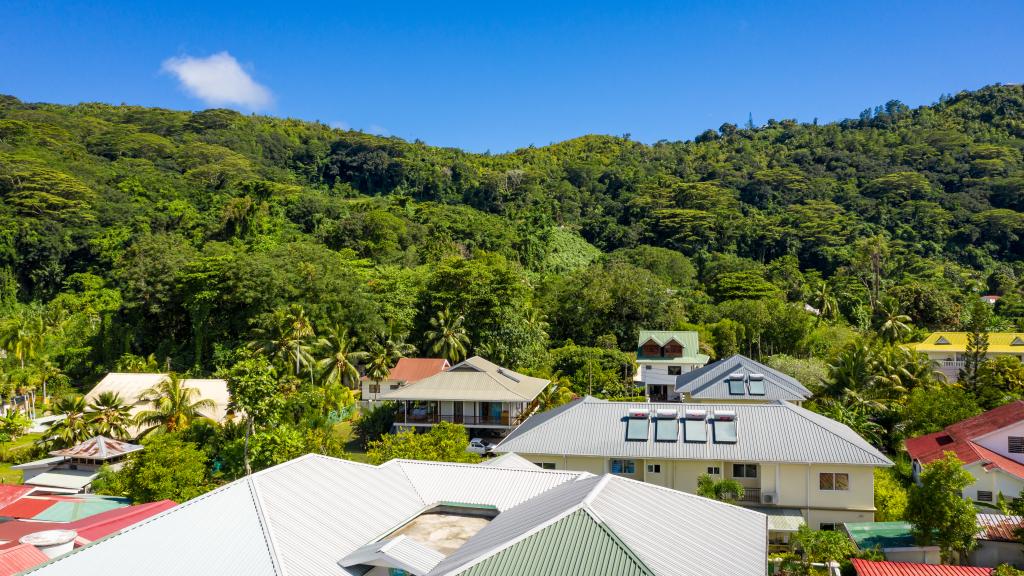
pixel 947 349
pixel 794 464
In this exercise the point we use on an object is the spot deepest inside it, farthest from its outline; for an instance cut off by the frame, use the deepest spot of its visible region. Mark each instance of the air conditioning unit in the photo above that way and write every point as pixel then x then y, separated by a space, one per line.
pixel 768 498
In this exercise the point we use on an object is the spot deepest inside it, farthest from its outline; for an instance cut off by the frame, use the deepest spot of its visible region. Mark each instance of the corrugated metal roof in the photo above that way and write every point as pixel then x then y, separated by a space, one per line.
pixel 471 380
pixel 772 432
pixel 98 448
pixel 131 386
pixel 416 369
pixel 220 532
pixel 998 527
pixel 10 493
pixel 782 519
pixel 872 568
pixel 26 507
pixel 711 381
pixel 80 508
pixel 575 545
pixel 510 460
pixel 300 518
pixel 106 523
pixel 20 557
pixel 68 479
pixel 998 342
pixel 400 552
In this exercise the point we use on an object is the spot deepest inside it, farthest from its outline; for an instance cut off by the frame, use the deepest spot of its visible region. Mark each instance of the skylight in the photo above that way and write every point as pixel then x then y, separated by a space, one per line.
pixel 736 386
pixel 755 384
pixel 666 426
pixel 725 427
pixel 695 428
pixel 637 425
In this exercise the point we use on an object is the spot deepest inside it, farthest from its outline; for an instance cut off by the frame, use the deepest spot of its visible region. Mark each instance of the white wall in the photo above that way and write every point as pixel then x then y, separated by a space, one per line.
pixel 997 441
pixel 995 481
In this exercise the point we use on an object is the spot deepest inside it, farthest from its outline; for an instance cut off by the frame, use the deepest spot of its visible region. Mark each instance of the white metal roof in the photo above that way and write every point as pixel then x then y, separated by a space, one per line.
pixel 472 380
pixel 305 516
pixel 66 479
pixel 771 432
pixel 400 552
pixel 711 381
pixel 510 460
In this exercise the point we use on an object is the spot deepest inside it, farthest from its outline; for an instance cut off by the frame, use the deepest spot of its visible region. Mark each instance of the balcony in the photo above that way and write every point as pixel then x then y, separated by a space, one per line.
pixel 414 418
pixel 751 496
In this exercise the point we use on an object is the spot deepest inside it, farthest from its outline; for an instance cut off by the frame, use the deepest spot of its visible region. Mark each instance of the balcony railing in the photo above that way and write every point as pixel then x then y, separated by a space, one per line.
pixel 465 419
pixel 751 496
pixel 952 363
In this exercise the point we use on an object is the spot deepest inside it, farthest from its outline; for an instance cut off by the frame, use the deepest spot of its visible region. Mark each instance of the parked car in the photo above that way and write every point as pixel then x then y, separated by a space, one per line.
pixel 479 446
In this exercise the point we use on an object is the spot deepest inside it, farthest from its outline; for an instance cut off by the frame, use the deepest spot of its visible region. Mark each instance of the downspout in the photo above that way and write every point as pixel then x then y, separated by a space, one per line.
pixel 807 492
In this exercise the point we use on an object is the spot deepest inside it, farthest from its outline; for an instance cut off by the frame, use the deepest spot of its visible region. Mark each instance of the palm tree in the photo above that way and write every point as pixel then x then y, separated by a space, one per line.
pixel 174 407
pixel 301 332
pixel 74 427
pixel 339 364
pixel 553 396
pixel 855 415
pixel 825 300
pixel 892 325
pixel 447 336
pixel 283 336
pixel 380 364
pixel 110 416
pixel 23 334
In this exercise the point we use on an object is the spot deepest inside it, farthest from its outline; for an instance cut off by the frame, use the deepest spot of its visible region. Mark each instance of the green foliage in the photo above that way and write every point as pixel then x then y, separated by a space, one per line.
pixel 375 422
pixel 444 442
pixel 939 515
pixel 594 371
pixel 890 496
pixel 254 389
pixel 725 490
pixel 821 546
pixel 168 469
pixel 931 410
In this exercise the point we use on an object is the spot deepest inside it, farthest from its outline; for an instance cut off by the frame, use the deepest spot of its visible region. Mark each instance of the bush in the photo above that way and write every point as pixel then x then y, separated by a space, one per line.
pixel 375 422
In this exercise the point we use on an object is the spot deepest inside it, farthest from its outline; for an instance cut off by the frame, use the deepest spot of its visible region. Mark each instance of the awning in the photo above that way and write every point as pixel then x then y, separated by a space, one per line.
pixel 65 479
pixel 782 519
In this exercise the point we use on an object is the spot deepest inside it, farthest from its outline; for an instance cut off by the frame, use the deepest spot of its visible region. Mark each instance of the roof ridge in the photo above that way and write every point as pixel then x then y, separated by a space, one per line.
pixel 800 412
pixel 604 527
pixel 268 533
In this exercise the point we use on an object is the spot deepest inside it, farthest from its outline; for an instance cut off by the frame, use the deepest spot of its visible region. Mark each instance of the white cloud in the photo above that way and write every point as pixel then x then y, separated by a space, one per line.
pixel 340 125
pixel 377 129
pixel 219 80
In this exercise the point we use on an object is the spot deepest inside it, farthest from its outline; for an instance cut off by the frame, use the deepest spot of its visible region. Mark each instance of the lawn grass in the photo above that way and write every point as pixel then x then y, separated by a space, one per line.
pixel 8 476
pixel 346 435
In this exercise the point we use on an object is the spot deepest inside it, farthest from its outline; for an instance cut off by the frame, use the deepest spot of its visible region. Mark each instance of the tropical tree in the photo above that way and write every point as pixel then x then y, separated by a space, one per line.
pixel 447 336
pixel 109 415
pixel 341 358
pixel 553 396
pixel 74 427
pixel 725 490
pixel 825 300
pixel 380 364
pixel 283 336
pixel 892 325
pixel 133 363
pixel 937 511
pixel 23 333
pixel 174 406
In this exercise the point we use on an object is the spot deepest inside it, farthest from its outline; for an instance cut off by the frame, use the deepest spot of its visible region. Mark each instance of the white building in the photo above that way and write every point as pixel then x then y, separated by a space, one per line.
pixel 663 356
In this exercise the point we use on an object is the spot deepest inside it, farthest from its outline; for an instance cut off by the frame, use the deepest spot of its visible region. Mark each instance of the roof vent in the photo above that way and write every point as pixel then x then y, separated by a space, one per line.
pixel 756 376
pixel 639 413
pixel 941 340
pixel 510 375
pixel 667 413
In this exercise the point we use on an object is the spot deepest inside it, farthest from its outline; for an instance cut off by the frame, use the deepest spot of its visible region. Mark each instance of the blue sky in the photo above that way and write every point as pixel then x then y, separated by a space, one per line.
pixel 497 76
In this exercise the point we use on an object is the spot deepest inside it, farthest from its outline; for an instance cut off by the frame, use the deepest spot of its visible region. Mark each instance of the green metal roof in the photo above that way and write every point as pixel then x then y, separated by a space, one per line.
pixel 573 546
pixel 689 340
pixel 883 534
pixel 80 508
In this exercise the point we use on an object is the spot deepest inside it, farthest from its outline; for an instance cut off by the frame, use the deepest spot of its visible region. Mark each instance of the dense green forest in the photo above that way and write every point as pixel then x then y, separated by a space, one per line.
pixel 127 232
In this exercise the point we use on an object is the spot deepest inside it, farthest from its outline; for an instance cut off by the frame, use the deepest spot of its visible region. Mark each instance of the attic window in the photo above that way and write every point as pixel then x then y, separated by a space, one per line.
pixel 736 384
pixel 755 384
pixel 725 427
pixel 944 440
pixel 695 428
pixel 941 340
pixel 1017 341
pixel 666 426
pixel 637 425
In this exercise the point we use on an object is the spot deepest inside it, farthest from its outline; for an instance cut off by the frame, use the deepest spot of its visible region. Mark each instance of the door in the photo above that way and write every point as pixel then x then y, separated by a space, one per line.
pixel 457 413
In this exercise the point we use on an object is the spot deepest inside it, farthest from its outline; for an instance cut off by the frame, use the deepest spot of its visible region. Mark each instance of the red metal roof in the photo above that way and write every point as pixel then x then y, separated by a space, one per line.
pixel 27 507
pixel 415 369
pixel 98 448
pixel 957 437
pixel 869 568
pixel 11 493
pixel 106 523
pixel 998 527
pixel 19 558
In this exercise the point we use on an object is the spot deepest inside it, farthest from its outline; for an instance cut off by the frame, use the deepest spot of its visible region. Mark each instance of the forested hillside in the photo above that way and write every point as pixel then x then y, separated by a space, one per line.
pixel 141 231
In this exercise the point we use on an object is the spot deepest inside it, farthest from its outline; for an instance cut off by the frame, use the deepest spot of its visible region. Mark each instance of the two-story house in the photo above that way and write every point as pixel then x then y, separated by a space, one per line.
pixel 739 379
pixel 477 393
pixel 947 349
pixel 406 371
pixel 991 446
pixel 793 463
pixel 663 356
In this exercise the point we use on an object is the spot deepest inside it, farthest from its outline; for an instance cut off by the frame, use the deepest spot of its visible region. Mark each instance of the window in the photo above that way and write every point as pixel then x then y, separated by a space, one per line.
pixel 725 430
pixel 736 387
pixel 545 465
pixel 714 470
pixel 396 386
pixel 623 466
pixel 984 496
pixel 1015 444
pixel 374 388
pixel 666 430
pixel 695 430
pixel 654 468
pixel 675 370
pixel 830 526
pixel 833 481
pixel 636 428
pixel 744 470
pixel 756 385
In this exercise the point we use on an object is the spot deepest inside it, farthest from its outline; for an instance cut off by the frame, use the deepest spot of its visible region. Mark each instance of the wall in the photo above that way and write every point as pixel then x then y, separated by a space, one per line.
pixel 995 481
pixel 997 441
pixel 991 554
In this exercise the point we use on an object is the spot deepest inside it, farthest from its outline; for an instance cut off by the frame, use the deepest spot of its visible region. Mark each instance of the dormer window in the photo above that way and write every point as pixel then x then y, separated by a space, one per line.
pixel 673 349
pixel 651 349
pixel 1017 341
pixel 941 340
